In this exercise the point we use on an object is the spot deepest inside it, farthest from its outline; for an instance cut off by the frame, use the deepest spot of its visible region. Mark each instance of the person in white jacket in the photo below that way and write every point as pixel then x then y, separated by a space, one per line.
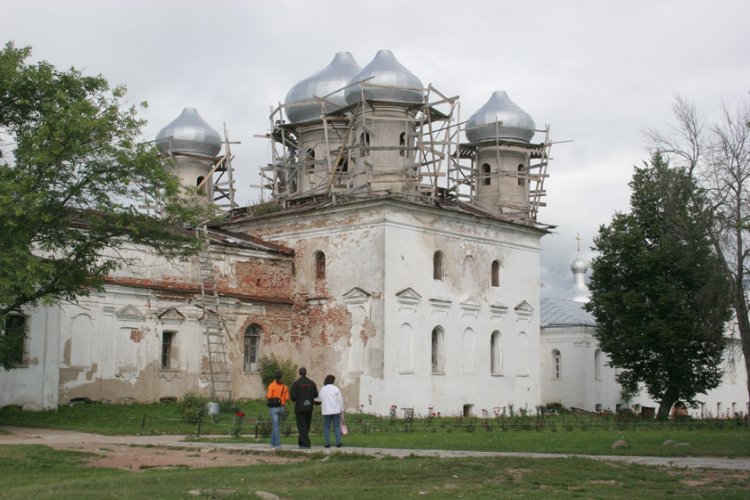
pixel 331 406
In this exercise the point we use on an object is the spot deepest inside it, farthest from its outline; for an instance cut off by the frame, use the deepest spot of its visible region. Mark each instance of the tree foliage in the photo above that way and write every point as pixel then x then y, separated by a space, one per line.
pixel 657 290
pixel 269 365
pixel 718 156
pixel 72 176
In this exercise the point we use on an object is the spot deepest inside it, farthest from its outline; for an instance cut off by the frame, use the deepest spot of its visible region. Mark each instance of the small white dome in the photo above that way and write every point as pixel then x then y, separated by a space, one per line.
pixel 390 81
pixel 579 265
pixel 300 103
pixel 500 118
pixel 189 133
pixel 580 292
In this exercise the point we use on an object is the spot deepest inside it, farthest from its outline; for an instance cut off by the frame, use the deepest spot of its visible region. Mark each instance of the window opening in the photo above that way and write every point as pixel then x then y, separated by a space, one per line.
pixel 598 364
pixel 167 341
pixel 495 273
pixel 364 143
pixel 556 359
pixel 486 171
pixel 521 175
pixel 496 353
pixel 252 343
pixel 438 265
pixel 14 337
pixel 437 350
pixel 402 143
pixel 309 160
pixel 320 265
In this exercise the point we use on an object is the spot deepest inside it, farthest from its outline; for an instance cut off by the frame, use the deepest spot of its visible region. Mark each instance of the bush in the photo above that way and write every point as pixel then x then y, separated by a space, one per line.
pixel 269 365
pixel 192 406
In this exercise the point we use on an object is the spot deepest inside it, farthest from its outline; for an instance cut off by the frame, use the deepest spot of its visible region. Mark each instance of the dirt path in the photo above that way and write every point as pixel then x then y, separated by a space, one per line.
pixel 139 452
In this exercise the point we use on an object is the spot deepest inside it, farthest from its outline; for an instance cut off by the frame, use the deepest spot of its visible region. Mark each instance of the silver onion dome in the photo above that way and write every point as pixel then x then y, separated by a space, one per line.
pixel 189 133
pixel 389 81
pixel 301 105
pixel 500 118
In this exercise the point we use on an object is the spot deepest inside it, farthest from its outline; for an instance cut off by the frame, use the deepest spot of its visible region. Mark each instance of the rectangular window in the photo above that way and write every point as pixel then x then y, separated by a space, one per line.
pixel 14 337
pixel 167 350
pixel 251 352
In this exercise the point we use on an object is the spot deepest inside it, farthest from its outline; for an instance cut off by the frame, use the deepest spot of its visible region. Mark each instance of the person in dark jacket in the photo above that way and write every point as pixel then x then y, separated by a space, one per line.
pixel 303 393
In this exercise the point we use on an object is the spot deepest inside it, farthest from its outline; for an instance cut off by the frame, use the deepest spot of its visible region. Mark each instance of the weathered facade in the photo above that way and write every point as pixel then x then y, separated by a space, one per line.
pixel 142 337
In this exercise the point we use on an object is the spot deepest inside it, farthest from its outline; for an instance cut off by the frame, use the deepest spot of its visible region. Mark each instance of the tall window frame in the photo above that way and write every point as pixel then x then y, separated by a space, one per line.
pixel 319 259
pixel 496 353
pixel 556 365
pixel 438 266
pixel 251 347
pixel 486 174
pixel 168 361
pixel 495 274
pixel 13 331
pixel 437 350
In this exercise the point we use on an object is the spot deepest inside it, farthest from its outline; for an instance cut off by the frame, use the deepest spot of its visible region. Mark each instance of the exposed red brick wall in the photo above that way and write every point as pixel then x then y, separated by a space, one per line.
pixel 264 278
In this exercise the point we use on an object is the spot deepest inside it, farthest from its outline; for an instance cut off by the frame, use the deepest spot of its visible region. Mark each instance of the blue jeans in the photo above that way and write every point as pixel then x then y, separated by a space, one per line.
pixel 336 421
pixel 277 415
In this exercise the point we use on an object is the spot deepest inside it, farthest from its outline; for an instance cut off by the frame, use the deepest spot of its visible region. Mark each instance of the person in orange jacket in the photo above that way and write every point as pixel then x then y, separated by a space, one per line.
pixel 277 396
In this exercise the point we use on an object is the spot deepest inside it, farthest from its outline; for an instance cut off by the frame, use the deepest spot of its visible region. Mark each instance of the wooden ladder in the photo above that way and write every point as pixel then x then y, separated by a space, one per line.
pixel 215 333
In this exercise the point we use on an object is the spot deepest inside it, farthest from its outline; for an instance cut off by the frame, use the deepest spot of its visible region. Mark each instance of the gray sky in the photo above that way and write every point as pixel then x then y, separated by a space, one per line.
pixel 599 72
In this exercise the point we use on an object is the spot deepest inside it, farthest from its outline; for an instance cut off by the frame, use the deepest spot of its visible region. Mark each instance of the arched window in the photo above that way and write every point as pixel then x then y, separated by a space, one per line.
pixel 438 266
pixel 496 353
pixel 495 273
pixel 521 175
pixel 251 343
pixel 437 350
pixel 486 171
pixel 598 364
pixel 198 182
pixel 556 365
pixel 309 160
pixel 402 142
pixel 320 265
pixel 364 143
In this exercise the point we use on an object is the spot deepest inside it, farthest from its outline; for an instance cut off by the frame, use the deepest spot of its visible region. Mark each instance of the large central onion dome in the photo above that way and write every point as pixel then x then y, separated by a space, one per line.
pixel 189 133
pixel 500 118
pixel 389 81
pixel 301 105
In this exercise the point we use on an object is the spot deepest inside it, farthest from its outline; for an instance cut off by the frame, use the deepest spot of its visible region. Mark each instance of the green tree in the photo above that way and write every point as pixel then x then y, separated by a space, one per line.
pixel 657 290
pixel 269 365
pixel 72 174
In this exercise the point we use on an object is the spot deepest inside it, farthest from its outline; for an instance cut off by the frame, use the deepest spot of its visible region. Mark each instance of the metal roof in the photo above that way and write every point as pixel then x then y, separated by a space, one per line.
pixel 500 118
pixel 564 312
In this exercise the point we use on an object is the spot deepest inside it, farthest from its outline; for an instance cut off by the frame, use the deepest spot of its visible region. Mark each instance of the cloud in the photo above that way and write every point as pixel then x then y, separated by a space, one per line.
pixel 597 72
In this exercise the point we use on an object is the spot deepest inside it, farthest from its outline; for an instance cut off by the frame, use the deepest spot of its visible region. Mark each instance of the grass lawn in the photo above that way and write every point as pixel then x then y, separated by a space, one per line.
pixel 40 472
pixel 581 435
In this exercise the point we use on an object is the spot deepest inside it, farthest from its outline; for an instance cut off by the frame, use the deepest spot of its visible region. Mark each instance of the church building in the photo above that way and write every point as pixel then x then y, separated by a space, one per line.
pixel 399 251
